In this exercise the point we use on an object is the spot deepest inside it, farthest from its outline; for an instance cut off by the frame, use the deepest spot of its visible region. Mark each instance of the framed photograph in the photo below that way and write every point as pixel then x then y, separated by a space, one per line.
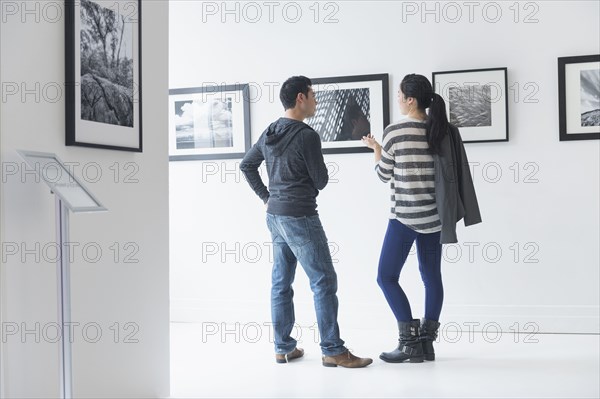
pixel 476 102
pixel 103 74
pixel 348 108
pixel 211 122
pixel 579 97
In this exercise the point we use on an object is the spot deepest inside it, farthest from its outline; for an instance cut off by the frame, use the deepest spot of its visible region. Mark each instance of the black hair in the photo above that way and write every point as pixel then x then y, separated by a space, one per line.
pixel 290 89
pixel 437 126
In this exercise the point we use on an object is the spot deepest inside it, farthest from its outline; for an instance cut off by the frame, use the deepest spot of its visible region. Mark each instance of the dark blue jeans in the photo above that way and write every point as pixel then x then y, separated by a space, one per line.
pixel 396 246
pixel 303 239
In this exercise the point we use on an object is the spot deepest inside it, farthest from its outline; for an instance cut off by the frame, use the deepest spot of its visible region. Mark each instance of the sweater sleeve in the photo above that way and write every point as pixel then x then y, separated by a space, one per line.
pixel 249 166
pixel 385 166
pixel 313 156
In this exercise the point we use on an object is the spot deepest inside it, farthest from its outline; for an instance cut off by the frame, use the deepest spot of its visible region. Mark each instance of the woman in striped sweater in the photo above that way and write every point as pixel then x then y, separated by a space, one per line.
pixel 406 160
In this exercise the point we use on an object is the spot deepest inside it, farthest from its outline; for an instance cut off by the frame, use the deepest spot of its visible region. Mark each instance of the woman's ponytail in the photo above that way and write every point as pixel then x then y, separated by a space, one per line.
pixel 437 123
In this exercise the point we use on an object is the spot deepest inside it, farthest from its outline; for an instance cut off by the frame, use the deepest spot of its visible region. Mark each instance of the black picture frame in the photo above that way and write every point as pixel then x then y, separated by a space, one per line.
pixel 349 107
pixel 194 134
pixel 574 84
pixel 476 102
pixel 103 82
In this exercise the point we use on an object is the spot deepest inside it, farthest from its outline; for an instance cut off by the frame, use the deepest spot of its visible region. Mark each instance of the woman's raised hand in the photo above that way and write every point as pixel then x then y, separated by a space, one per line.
pixel 369 141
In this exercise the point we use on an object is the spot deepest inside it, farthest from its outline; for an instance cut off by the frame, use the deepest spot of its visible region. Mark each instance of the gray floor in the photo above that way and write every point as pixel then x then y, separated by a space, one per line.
pixel 233 361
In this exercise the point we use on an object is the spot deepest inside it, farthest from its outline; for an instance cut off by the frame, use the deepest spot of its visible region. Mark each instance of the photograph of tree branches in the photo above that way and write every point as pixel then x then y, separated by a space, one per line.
pixel 106 66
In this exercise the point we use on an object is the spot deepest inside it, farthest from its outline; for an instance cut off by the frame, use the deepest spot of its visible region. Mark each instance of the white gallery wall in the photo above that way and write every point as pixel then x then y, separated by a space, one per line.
pixel 119 270
pixel 531 266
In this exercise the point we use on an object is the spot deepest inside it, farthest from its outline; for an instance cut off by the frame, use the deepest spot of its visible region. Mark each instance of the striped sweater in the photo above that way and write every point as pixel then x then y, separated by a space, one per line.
pixel 407 164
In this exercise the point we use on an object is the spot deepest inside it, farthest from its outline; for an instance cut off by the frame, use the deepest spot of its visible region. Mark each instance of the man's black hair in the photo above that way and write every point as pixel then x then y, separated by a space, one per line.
pixel 290 89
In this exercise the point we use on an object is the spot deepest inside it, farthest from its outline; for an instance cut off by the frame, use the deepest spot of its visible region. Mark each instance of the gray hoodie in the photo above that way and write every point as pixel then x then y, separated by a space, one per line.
pixel 292 152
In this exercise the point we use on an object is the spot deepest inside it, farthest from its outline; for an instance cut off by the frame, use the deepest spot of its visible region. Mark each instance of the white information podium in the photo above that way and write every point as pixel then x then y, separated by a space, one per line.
pixel 70 195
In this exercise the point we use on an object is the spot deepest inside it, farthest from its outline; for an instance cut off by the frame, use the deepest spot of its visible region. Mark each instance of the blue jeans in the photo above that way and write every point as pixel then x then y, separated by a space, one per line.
pixel 303 239
pixel 396 246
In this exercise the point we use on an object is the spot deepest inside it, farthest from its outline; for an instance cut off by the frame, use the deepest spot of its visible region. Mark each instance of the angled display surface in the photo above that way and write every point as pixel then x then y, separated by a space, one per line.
pixel 62 182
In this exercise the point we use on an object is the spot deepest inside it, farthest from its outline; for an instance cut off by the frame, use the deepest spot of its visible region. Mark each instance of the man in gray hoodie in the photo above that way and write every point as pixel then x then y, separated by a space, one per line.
pixel 292 152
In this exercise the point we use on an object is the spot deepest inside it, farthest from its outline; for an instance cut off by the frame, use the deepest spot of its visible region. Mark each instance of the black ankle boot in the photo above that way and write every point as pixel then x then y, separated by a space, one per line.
pixel 429 332
pixel 409 345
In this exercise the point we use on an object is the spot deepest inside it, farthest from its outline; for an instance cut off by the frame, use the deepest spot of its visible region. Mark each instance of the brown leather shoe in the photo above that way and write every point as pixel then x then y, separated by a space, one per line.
pixel 346 359
pixel 286 357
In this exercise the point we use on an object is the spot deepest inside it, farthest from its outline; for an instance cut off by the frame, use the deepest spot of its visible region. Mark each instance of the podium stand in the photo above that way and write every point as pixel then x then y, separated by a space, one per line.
pixel 70 195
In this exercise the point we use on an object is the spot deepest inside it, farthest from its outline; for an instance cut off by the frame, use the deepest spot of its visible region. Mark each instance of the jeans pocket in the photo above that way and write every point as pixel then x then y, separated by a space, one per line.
pixel 297 231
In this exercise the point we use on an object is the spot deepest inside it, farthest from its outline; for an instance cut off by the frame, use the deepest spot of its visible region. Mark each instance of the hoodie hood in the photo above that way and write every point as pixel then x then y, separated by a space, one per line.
pixel 280 134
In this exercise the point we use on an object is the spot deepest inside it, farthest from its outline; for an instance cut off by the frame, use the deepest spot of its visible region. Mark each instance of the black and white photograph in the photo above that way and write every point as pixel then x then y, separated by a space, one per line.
pixel 106 66
pixel 349 108
pixel 590 97
pixel 342 114
pixel 470 106
pixel 579 97
pixel 476 102
pixel 103 63
pixel 211 122
pixel 203 125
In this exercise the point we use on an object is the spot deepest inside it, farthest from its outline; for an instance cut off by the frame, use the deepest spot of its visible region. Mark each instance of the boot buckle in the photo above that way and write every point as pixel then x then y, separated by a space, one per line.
pixel 408 350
